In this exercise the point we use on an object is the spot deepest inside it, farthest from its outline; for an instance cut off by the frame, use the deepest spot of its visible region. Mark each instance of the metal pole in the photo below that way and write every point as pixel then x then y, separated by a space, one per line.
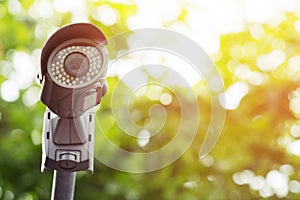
pixel 63 185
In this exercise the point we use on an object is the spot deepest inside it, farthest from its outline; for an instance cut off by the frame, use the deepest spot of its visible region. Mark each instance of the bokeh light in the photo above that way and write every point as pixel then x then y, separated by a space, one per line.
pixel 253 43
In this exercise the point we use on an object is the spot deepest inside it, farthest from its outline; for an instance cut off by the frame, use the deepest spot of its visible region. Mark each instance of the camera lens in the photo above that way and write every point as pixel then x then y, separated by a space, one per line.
pixel 76 64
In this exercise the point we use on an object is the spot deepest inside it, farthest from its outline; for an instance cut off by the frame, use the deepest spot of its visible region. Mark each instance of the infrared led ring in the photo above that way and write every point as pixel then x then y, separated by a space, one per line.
pixel 76 66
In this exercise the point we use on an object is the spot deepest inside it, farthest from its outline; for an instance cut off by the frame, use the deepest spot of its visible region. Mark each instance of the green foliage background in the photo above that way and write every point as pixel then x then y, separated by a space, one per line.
pixel 255 135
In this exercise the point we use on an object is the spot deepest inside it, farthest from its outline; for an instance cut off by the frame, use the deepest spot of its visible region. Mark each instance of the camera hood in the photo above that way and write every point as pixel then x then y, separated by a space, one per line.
pixel 69 32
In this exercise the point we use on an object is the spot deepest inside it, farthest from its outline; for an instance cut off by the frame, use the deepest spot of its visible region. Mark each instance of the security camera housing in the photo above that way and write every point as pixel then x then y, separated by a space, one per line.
pixel 68 101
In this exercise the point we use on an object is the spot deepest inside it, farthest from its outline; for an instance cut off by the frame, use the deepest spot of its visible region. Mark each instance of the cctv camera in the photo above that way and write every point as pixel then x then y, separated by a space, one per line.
pixel 72 74
pixel 73 68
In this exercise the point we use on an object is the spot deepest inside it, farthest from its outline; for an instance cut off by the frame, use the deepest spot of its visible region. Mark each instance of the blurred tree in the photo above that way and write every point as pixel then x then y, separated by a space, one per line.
pixel 257 156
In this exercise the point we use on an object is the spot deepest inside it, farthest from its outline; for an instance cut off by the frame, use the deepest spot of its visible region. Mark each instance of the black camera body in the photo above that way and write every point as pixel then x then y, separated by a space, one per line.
pixel 73 70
